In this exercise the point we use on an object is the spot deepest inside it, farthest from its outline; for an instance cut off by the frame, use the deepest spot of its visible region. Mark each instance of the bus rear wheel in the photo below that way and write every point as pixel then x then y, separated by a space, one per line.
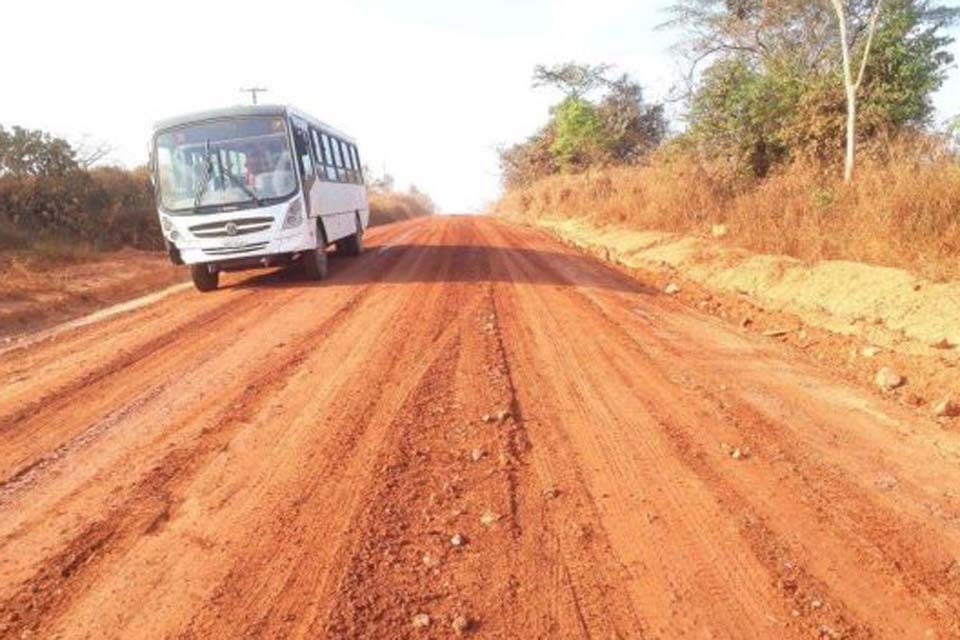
pixel 204 279
pixel 315 263
pixel 351 245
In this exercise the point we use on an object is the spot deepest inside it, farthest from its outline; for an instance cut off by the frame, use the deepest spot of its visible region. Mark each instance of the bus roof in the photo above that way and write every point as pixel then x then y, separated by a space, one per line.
pixel 249 110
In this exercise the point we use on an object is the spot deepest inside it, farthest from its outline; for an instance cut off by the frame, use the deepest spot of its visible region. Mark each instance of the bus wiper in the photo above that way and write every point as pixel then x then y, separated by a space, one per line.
pixel 225 169
pixel 198 195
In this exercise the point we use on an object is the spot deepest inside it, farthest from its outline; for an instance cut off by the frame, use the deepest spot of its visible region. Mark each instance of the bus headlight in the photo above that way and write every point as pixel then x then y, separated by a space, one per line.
pixel 168 228
pixel 294 217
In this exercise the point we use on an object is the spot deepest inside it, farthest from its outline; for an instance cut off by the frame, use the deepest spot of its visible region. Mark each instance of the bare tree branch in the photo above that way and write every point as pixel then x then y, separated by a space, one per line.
pixel 866 52
pixel 89 152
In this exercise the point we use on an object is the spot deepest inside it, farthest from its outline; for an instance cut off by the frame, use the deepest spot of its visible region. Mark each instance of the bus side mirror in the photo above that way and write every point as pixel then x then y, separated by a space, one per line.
pixel 151 165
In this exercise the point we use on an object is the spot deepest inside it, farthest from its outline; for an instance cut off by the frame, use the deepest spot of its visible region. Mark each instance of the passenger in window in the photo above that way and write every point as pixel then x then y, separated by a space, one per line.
pixel 269 169
pixel 255 163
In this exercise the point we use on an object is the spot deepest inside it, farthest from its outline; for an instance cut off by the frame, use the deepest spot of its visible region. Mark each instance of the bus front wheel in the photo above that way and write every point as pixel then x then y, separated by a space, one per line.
pixel 315 263
pixel 204 279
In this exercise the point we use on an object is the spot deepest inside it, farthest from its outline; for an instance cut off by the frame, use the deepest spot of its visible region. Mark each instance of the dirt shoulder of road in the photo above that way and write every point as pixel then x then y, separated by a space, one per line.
pixel 860 318
pixel 36 293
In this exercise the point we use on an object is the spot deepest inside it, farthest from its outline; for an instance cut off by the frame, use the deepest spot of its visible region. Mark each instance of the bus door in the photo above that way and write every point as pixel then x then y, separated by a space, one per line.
pixel 305 161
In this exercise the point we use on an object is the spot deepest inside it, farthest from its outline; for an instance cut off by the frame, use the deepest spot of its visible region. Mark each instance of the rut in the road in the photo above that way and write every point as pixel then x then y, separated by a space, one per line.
pixel 442 471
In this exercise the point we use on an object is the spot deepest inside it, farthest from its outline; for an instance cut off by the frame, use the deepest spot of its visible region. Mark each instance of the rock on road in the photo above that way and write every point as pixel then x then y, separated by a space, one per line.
pixel 470 430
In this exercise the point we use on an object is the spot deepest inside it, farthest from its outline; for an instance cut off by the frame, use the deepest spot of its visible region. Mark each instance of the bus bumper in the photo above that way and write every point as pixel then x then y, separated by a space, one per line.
pixel 250 252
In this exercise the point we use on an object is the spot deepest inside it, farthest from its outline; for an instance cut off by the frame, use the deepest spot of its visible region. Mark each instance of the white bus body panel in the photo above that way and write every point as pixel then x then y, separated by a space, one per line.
pixel 339 205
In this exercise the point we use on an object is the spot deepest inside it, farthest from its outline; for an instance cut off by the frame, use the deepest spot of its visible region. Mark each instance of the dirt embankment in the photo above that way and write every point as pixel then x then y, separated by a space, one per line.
pixel 865 317
pixel 36 293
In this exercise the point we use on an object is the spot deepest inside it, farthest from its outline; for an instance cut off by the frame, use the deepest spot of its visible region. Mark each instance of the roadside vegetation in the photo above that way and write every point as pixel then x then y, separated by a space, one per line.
pixel 763 154
pixel 388 205
pixel 54 203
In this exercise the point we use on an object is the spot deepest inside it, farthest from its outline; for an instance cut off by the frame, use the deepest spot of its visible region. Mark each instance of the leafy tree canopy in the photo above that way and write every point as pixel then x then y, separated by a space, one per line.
pixel 34 153
pixel 770 85
pixel 575 80
pixel 585 129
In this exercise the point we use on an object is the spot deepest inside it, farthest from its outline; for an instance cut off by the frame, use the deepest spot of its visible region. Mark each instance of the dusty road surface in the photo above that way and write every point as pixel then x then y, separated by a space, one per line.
pixel 38 292
pixel 469 430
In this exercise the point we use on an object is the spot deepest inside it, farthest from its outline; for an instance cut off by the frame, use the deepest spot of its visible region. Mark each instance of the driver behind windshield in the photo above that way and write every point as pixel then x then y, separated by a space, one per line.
pixel 268 168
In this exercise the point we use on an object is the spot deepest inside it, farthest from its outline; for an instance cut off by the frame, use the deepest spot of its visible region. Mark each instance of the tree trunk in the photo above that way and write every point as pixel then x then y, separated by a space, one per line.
pixel 851 157
pixel 851 84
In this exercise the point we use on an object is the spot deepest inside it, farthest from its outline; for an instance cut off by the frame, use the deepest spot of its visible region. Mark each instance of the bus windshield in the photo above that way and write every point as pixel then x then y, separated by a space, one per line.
pixel 227 162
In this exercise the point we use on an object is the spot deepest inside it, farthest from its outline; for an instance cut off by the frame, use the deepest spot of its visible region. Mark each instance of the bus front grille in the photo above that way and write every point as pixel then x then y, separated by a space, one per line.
pixel 226 228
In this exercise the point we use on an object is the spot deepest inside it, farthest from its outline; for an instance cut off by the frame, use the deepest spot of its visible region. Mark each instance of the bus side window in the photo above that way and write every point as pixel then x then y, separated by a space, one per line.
pixel 347 160
pixel 356 164
pixel 348 150
pixel 317 152
pixel 338 159
pixel 328 157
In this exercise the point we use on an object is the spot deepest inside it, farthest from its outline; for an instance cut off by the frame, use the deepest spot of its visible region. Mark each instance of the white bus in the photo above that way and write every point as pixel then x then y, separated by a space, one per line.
pixel 256 186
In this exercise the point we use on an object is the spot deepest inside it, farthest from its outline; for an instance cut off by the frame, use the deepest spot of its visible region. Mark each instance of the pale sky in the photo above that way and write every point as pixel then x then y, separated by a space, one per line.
pixel 428 87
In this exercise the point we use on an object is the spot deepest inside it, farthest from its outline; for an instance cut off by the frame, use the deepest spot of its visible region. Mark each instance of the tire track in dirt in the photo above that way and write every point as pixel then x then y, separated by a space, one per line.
pixel 881 536
pixel 399 361
pixel 279 511
pixel 27 430
pixel 189 342
pixel 56 398
pixel 369 599
pixel 21 479
pixel 699 557
pixel 851 507
pixel 797 584
pixel 404 563
pixel 148 506
pixel 419 505
pixel 150 324
pixel 588 571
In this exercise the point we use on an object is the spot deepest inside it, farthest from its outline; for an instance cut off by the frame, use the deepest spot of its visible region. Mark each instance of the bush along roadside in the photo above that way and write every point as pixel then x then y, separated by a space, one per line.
pixel 48 194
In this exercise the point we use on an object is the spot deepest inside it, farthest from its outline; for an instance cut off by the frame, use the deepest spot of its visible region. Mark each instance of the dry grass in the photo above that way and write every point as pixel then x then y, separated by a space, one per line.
pixel 395 206
pixel 20 250
pixel 902 211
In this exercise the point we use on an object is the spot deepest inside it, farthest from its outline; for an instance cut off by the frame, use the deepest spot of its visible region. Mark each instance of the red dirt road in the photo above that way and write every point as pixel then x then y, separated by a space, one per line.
pixel 287 459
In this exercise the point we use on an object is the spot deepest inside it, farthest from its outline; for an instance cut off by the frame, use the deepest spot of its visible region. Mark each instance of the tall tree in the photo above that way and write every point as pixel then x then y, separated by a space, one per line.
pixel 788 54
pixel 602 119
pixel 852 84
pixel 581 138
pixel 635 127
pixel 24 152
